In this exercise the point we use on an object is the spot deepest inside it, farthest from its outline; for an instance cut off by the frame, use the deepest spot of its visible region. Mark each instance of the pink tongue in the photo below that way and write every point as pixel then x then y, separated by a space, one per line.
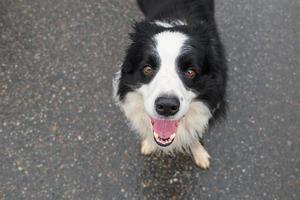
pixel 164 128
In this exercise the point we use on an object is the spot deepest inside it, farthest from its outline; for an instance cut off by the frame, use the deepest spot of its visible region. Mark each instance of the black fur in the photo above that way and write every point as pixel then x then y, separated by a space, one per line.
pixel 206 52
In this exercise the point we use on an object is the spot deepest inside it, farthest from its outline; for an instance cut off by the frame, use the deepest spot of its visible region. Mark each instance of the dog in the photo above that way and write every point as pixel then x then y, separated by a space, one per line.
pixel 172 83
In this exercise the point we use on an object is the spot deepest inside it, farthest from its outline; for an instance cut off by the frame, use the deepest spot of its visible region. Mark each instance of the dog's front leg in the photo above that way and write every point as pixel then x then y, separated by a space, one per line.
pixel 148 146
pixel 201 157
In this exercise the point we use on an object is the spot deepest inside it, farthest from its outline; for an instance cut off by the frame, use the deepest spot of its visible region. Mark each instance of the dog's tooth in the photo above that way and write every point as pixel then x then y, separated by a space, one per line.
pixel 172 136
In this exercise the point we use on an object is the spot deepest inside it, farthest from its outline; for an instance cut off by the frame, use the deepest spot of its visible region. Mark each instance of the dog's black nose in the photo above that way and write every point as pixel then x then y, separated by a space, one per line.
pixel 167 106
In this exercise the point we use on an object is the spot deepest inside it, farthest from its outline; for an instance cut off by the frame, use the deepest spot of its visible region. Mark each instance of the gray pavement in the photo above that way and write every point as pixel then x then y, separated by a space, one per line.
pixel 61 136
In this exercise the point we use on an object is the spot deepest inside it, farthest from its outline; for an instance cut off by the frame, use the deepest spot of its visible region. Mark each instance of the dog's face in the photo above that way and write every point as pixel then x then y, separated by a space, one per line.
pixel 170 69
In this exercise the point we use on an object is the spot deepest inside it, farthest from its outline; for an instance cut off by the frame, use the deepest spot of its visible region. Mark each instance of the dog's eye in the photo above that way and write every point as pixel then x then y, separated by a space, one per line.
pixel 148 71
pixel 190 73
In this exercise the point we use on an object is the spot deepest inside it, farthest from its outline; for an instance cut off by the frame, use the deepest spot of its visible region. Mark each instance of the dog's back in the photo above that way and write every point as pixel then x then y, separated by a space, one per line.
pixel 150 7
pixel 179 9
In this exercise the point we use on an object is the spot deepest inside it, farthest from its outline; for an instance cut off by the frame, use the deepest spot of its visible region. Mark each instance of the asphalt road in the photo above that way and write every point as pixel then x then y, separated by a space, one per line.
pixel 62 137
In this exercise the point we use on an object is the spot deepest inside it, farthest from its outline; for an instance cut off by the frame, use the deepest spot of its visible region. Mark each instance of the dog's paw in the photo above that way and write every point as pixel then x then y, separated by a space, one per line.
pixel 147 148
pixel 201 157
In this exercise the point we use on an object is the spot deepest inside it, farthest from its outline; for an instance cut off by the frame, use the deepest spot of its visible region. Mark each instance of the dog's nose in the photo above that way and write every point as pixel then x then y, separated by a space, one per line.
pixel 167 106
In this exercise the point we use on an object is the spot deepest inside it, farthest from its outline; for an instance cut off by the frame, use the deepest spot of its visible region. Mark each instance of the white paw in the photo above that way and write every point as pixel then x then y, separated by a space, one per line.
pixel 202 158
pixel 147 148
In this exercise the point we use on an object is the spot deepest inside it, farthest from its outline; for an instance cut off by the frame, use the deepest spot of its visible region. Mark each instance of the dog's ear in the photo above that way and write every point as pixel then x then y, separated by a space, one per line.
pixel 217 66
pixel 143 31
pixel 140 38
pixel 132 58
pixel 134 51
pixel 215 55
pixel 127 66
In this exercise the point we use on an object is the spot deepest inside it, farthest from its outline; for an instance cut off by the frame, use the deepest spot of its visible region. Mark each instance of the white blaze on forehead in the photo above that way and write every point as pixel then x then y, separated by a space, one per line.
pixel 169 46
pixel 169 24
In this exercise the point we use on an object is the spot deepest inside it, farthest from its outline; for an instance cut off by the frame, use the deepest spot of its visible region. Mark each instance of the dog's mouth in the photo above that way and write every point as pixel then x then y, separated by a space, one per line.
pixel 164 131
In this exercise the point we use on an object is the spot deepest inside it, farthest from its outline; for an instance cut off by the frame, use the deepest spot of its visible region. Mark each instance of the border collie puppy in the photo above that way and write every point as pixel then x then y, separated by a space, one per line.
pixel 172 83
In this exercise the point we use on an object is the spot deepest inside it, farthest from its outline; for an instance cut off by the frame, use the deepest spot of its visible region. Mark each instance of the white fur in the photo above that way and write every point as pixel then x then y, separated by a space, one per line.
pixel 169 24
pixel 115 84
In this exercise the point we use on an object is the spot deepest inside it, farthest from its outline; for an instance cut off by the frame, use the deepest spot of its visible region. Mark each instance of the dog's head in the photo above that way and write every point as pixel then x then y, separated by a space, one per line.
pixel 169 75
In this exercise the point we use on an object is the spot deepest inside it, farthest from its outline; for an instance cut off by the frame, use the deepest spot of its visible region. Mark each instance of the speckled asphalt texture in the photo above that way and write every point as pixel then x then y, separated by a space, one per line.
pixel 62 137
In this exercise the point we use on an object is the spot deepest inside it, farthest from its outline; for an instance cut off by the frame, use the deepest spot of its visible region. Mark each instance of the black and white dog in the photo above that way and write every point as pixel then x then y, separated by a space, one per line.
pixel 173 79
